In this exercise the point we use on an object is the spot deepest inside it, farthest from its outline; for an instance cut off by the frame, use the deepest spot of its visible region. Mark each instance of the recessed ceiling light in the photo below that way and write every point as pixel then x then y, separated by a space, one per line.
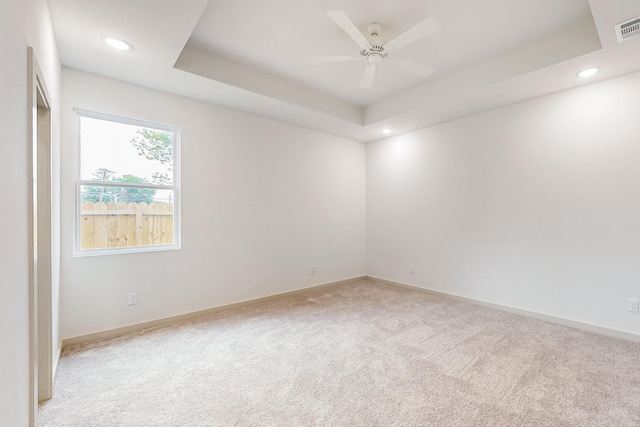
pixel 116 43
pixel 588 72
pixel 386 130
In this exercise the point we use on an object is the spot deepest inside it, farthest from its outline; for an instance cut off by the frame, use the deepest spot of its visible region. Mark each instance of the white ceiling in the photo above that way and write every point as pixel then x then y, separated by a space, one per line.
pixel 253 56
pixel 278 36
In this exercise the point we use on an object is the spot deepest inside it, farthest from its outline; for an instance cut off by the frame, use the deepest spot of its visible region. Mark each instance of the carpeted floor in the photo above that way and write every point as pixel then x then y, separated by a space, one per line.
pixel 357 354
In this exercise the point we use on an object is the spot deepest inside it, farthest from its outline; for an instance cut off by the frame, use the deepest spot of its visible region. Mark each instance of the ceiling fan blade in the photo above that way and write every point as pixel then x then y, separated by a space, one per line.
pixel 326 59
pixel 421 70
pixel 421 30
pixel 349 27
pixel 368 77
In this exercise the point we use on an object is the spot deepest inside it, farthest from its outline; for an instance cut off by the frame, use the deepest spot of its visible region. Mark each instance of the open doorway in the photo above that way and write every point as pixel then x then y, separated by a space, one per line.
pixel 41 366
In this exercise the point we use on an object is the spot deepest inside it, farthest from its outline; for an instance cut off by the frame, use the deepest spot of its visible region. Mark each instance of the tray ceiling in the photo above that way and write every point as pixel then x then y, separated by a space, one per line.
pixel 253 56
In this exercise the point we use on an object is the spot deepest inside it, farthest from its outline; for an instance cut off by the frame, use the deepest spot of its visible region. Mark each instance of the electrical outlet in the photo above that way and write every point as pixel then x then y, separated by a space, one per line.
pixel 312 269
pixel 132 298
pixel 632 305
pixel 411 269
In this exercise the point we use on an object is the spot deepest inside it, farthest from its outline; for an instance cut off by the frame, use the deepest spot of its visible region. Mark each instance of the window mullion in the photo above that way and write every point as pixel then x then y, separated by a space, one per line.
pixel 126 184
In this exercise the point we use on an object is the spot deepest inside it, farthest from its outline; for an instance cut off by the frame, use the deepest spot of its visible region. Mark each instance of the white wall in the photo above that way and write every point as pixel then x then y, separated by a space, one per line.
pixel 534 206
pixel 22 23
pixel 261 202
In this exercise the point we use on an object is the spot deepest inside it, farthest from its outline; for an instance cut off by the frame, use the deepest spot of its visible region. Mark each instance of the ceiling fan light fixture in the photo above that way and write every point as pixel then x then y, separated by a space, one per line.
pixel 374 50
pixel 588 72
pixel 116 43
pixel 374 58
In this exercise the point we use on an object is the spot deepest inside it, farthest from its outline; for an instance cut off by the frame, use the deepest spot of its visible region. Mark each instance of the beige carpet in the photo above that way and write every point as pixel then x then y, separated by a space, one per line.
pixel 360 354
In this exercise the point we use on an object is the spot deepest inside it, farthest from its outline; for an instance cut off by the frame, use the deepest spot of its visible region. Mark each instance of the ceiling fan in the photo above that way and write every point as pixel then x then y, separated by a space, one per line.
pixel 374 52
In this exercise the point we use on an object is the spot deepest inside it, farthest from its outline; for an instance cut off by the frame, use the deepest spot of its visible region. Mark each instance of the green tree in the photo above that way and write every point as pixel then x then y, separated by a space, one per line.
pixel 132 194
pixel 156 145
pixel 117 194
pixel 97 194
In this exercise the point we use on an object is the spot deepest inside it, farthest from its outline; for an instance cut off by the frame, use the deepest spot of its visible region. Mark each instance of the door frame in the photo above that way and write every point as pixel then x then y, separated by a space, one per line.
pixel 40 276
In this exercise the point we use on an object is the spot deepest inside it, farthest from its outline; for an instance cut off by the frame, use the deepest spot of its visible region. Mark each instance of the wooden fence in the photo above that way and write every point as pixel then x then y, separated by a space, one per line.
pixel 112 225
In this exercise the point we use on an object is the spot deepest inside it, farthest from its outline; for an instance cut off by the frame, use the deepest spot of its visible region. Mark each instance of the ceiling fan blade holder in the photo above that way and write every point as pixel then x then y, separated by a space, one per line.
pixel 328 59
pixel 421 30
pixel 369 76
pixel 349 27
pixel 419 69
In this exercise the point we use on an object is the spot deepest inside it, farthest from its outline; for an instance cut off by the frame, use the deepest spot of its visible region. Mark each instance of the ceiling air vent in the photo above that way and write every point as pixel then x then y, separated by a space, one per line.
pixel 628 30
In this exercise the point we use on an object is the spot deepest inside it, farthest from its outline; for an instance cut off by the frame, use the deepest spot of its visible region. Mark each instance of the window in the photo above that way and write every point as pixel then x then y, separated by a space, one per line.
pixel 127 185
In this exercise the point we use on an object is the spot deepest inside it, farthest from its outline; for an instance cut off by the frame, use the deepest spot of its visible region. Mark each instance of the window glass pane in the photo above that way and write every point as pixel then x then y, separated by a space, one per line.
pixel 112 217
pixel 119 152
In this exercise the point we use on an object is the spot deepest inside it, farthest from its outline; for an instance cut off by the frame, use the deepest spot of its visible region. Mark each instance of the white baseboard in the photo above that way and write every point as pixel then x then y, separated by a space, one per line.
pixel 160 322
pixel 56 361
pixel 68 342
pixel 532 314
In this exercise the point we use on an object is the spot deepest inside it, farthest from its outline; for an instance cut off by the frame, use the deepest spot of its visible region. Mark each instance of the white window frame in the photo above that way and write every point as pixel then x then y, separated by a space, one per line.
pixel 78 183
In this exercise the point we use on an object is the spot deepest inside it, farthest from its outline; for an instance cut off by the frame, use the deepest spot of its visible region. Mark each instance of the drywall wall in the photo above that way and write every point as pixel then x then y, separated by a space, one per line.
pixel 261 202
pixel 533 206
pixel 22 23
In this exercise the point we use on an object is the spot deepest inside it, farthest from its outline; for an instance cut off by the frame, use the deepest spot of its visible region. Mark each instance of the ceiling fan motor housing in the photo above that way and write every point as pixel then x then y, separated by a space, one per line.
pixel 375 32
pixel 374 29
